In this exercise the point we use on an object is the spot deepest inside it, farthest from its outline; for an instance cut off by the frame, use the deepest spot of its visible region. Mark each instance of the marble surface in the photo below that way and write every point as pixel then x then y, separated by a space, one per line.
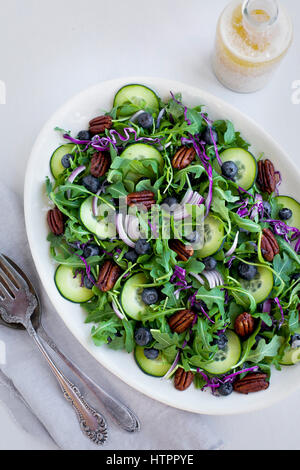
pixel 51 50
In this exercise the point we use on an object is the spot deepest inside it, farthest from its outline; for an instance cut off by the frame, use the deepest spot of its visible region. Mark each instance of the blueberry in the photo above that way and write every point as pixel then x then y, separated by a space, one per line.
pixel 258 338
pixel 145 120
pixel 221 341
pixel 210 263
pixel 193 237
pixel 84 135
pixel 247 271
pixel 229 169
pixel 142 247
pixel 142 336
pixel 66 160
pixel 295 277
pixel 207 135
pixel 285 214
pixel 295 341
pixel 131 255
pixel 88 282
pixel 197 306
pixel 150 296
pixel 267 209
pixel 225 389
pixel 170 201
pixel 151 353
pixel 91 183
pixel 91 250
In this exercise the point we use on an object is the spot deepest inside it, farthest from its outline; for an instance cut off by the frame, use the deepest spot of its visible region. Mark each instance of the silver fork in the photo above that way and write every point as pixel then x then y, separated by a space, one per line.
pixel 17 304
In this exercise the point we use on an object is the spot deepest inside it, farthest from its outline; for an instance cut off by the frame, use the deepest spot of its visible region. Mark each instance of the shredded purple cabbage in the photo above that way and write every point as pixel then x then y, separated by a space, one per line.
pixel 243 211
pixel 231 261
pixel 184 107
pixel 209 123
pixel 179 273
pixel 229 378
pixel 283 230
pixel 87 269
pixel 103 143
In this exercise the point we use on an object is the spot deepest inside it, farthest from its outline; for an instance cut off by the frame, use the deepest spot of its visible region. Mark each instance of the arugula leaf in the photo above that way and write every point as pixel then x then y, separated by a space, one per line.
pixel 284 267
pixel 264 349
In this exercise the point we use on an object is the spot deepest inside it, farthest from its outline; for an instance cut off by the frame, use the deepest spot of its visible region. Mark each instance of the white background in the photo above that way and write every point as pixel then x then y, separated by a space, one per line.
pixel 52 49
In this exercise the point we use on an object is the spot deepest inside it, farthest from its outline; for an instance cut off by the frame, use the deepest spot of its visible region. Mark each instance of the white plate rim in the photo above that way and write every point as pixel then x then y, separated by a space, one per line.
pixel 208 100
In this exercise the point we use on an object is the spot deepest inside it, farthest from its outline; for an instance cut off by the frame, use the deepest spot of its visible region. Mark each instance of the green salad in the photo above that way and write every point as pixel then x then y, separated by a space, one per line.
pixel 173 237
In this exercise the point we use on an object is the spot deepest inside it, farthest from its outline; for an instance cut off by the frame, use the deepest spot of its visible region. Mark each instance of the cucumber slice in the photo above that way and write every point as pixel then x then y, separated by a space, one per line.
pixel 55 161
pixel 157 367
pixel 69 287
pixel 143 152
pixel 260 287
pixel 131 299
pixel 225 359
pixel 213 237
pixel 291 355
pixel 290 203
pixel 246 163
pixel 140 152
pixel 135 94
pixel 95 225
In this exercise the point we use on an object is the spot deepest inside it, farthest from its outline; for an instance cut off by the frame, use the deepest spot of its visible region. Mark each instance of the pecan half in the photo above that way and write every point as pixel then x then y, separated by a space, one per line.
pixel 100 163
pixel 251 383
pixel 269 245
pixel 55 221
pixel 266 178
pixel 183 158
pixel 184 252
pixel 145 198
pixel 108 276
pixel 244 324
pixel 181 321
pixel 99 124
pixel 182 379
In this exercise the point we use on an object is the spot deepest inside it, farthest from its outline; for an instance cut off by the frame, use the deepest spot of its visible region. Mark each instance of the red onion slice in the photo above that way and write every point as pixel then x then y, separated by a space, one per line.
pixel 73 176
pixel 117 311
pixel 176 360
pixel 121 231
pixel 214 278
pixel 131 226
pixel 95 204
pixel 75 173
pixel 187 197
pixel 199 279
pixel 234 245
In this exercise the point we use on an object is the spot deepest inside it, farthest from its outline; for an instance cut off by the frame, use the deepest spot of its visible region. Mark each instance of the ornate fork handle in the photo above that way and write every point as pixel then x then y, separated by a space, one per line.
pixel 120 412
pixel 92 423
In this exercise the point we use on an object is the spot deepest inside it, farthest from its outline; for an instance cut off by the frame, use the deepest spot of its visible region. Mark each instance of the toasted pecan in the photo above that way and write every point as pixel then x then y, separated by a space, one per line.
pixel 144 198
pixel 99 124
pixel 269 245
pixel 266 178
pixel 183 379
pixel 184 252
pixel 108 276
pixel 254 382
pixel 181 321
pixel 183 157
pixel 55 221
pixel 100 164
pixel 244 324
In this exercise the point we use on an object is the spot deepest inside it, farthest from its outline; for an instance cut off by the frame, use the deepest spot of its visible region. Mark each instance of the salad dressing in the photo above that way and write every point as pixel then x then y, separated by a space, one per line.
pixel 252 38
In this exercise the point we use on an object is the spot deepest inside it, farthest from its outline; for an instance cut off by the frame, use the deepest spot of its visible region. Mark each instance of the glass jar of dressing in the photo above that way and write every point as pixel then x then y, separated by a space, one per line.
pixel 252 37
